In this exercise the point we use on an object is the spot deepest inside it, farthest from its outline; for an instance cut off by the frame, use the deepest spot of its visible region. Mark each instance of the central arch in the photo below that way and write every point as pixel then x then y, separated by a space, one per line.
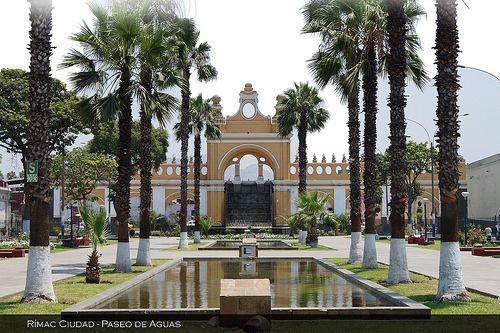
pixel 248 149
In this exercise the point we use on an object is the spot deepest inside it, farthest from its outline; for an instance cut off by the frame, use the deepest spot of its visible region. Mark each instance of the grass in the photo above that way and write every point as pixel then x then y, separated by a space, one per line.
pixel 191 247
pixel 59 248
pixel 305 247
pixel 423 291
pixel 71 291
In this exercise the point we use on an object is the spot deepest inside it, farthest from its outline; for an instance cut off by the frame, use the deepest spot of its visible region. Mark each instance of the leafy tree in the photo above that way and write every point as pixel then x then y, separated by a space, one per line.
pixel 110 61
pixel 82 172
pixel 451 285
pixel 63 125
pixel 190 56
pixel 203 119
pixel 105 141
pixel 301 108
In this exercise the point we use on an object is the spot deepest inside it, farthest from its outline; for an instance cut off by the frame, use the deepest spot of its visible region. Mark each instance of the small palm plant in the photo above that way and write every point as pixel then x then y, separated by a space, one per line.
pixel 95 228
pixel 311 207
pixel 205 224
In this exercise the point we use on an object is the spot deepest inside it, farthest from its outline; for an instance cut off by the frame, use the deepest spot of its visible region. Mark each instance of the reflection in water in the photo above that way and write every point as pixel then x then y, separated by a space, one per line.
pixel 196 284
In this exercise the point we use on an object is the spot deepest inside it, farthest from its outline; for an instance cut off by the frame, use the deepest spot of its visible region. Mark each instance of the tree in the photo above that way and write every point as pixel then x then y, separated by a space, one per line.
pixel 302 108
pixel 203 118
pixel 190 56
pixel 340 51
pixel 64 124
pixel 95 228
pixel 156 16
pixel 39 274
pixel 105 141
pixel 311 207
pixel 83 170
pixel 109 73
pixel 419 157
pixel 451 284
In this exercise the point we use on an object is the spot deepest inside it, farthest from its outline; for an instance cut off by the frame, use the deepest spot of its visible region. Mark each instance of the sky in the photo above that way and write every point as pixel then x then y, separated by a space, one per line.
pixel 260 42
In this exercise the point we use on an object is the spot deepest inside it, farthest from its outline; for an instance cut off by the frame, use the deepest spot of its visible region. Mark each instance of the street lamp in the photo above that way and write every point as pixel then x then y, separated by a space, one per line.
pixel 465 195
pixel 426 242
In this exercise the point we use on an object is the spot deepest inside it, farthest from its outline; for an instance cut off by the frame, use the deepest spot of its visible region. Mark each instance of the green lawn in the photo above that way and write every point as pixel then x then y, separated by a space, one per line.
pixel 71 291
pixel 304 247
pixel 59 248
pixel 191 247
pixel 423 290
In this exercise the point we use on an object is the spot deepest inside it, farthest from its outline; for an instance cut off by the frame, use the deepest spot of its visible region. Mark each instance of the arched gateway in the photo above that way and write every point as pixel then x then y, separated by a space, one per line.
pixel 238 201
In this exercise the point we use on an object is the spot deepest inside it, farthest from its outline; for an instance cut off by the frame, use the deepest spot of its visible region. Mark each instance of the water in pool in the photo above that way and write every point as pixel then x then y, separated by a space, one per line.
pixel 195 284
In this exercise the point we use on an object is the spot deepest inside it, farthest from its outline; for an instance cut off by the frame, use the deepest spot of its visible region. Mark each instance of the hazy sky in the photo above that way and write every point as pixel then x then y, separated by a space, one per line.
pixel 260 42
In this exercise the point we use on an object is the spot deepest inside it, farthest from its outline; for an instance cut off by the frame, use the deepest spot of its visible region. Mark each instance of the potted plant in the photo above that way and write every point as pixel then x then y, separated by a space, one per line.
pixel 94 222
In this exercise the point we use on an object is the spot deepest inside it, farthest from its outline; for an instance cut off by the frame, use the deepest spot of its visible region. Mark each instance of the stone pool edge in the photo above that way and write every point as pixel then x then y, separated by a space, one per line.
pixel 404 307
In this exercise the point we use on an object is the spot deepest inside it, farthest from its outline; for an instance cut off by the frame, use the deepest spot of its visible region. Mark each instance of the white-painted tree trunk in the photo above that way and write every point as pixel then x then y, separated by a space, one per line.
pixel 370 252
pixel 451 285
pixel 356 252
pixel 123 264
pixel 144 252
pixel 197 237
pixel 183 240
pixel 39 287
pixel 398 265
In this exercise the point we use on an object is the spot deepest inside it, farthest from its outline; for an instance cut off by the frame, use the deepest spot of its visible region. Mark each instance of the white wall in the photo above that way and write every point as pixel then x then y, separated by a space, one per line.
pixel 484 187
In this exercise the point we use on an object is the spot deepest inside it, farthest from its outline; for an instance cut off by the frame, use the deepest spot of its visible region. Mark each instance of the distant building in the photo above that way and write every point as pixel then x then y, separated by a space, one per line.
pixel 4 210
pixel 484 190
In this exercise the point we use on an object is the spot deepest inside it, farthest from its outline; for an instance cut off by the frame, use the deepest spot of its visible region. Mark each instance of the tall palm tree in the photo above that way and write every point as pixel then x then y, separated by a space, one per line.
pixel 396 67
pixel 39 276
pixel 301 108
pixel 157 17
pixel 451 284
pixel 354 44
pixel 339 51
pixel 110 74
pixel 190 56
pixel 203 118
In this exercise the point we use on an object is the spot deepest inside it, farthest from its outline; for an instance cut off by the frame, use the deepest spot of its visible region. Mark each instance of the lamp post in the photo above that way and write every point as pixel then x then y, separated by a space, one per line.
pixel 466 218
pixel 426 242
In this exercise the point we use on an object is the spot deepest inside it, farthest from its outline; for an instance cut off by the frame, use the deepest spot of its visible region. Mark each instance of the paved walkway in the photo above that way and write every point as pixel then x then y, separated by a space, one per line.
pixel 480 273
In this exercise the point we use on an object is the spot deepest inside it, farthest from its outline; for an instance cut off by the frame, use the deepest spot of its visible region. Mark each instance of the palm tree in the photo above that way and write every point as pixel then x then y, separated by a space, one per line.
pixel 95 228
pixel 396 65
pixel 110 73
pixel 190 56
pixel 451 284
pixel 354 45
pixel 203 118
pixel 311 207
pixel 39 275
pixel 301 108
pixel 339 52
pixel 157 16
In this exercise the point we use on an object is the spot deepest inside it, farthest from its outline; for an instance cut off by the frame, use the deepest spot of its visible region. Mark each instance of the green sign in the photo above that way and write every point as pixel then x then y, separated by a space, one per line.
pixel 32 172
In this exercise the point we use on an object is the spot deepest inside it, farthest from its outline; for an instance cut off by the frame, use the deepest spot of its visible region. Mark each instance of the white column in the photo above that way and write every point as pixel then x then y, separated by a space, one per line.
pixel 57 202
pixel 203 201
pixel 237 178
pixel 339 200
pixel 159 200
pixel 386 195
pixel 294 194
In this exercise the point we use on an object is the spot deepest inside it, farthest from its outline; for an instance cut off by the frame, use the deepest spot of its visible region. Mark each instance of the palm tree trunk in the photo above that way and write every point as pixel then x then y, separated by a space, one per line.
pixel 39 276
pixel 197 173
pixel 356 250
pixel 370 167
pixel 122 201
pixel 451 285
pixel 396 20
pixel 184 129
pixel 146 164
pixel 302 134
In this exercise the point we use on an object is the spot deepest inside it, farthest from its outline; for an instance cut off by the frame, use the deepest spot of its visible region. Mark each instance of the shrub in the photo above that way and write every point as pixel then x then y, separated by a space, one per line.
pixel 205 224
pixel 474 235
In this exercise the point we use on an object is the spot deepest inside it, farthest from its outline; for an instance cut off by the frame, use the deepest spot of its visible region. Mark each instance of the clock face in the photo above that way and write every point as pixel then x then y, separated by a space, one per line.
pixel 248 111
